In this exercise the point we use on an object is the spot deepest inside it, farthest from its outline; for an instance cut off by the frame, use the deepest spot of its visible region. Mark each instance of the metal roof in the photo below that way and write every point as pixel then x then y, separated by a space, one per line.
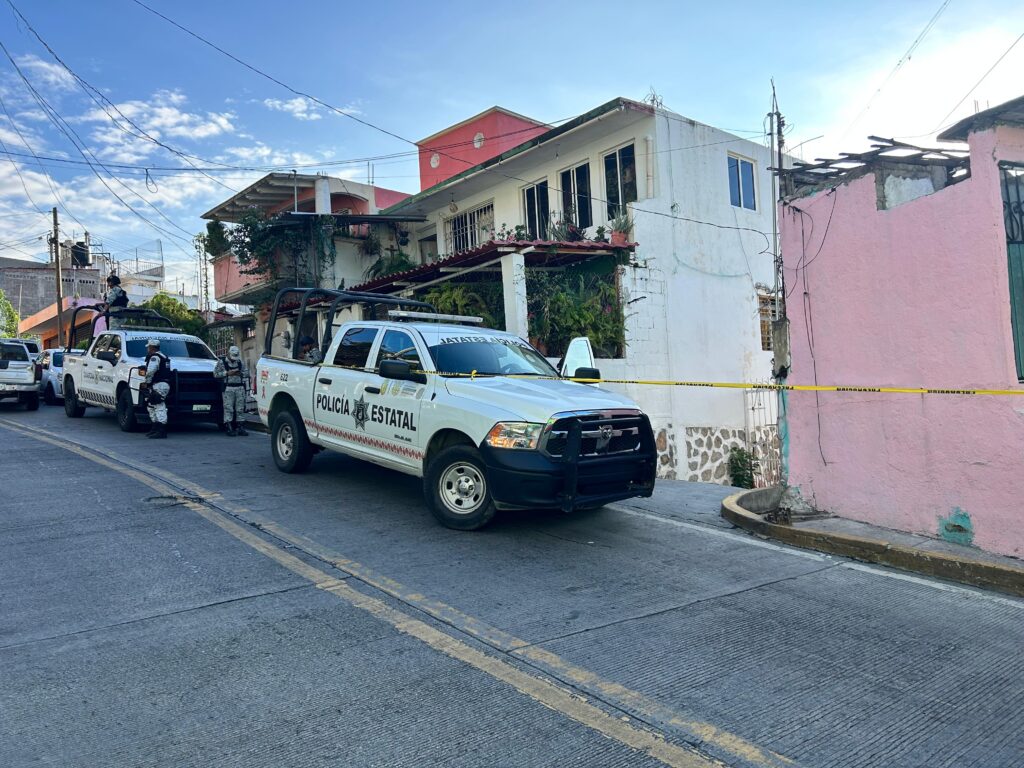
pixel 1009 113
pixel 548 252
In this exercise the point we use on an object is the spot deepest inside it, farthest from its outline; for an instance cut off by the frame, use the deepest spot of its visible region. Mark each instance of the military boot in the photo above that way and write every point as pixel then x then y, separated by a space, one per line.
pixel 153 429
pixel 240 428
pixel 160 433
pixel 231 428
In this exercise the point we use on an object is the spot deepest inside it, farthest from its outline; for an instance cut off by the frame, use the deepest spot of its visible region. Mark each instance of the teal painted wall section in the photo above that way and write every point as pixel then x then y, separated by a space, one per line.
pixel 957 528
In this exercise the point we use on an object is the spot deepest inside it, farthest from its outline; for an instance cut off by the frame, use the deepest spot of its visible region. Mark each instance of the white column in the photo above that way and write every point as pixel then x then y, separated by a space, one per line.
pixel 513 284
pixel 322 193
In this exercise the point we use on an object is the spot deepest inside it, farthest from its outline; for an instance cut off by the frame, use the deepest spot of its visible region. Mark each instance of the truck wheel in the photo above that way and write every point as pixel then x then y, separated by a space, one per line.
pixel 126 419
pixel 290 443
pixel 455 486
pixel 71 406
pixel 49 396
pixel 32 402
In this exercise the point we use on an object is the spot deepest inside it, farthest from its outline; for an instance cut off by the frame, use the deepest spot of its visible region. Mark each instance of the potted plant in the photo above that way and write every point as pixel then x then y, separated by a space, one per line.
pixel 620 227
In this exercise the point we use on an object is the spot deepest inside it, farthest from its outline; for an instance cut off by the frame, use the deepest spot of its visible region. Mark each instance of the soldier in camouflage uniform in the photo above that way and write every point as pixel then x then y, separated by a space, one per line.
pixel 234 376
pixel 157 371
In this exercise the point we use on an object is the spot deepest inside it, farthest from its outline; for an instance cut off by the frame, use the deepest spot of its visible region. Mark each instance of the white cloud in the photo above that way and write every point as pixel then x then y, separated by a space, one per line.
pixel 48 74
pixel 300 107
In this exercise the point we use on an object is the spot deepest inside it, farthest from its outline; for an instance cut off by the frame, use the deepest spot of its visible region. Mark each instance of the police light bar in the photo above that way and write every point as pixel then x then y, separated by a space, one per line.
pixel 435 317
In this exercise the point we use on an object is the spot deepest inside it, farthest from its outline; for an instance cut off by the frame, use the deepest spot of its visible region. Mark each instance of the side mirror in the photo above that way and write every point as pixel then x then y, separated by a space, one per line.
pixel 400 370
pixel 107 356
pixel 587 373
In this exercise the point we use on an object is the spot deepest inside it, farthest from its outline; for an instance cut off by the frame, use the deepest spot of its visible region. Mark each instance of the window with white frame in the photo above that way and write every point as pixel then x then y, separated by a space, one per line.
pixel 576 206
pixel 469 229
pixel 620 179
pixel 741 183
pixel 535 206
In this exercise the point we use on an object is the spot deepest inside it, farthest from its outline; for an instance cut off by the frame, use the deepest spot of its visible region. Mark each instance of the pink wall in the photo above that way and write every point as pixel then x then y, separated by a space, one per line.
pixel 501 132
pixel 917 296
pixel 385 198
pixel 228 278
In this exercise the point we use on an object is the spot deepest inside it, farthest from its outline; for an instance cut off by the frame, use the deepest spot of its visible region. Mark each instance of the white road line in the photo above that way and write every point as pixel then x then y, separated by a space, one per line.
pixel 740 536
pixel 732 535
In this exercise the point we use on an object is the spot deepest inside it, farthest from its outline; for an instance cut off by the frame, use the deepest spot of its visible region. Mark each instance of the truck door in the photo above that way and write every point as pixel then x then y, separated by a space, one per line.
pixel 339 403
pixel 393 407
pixel 96 372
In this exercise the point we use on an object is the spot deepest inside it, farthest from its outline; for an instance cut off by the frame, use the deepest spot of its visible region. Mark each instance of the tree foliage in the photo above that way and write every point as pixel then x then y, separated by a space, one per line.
pixel 8 317
pixel 189 320
pixel 216 242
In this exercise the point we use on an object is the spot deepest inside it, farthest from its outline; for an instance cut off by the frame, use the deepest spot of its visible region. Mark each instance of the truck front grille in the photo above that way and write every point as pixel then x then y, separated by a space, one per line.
pixel 602 433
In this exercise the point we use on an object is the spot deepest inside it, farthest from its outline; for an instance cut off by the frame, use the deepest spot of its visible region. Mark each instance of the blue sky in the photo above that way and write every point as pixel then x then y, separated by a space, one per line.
pixel 413 68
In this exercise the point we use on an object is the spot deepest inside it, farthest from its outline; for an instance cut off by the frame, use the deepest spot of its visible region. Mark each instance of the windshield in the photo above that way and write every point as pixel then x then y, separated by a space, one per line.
pixel 173 348
pixel 490 356
pixel 14 353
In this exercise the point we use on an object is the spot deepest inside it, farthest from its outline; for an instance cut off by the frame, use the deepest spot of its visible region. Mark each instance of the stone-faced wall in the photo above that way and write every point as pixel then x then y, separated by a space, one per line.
pixel 707 453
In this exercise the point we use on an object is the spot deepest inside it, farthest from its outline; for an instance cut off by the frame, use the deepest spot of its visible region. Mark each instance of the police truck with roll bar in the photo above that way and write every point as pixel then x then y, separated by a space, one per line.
pixel 107 376
pixel 479 414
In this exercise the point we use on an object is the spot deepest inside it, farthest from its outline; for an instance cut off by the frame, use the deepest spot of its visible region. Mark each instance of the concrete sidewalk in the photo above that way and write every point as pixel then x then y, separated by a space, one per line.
pixel 861 541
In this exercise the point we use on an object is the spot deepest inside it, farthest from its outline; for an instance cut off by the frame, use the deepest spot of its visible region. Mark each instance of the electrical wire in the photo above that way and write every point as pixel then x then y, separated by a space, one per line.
pixel 62 125
pixel 899 64
pixel 403 139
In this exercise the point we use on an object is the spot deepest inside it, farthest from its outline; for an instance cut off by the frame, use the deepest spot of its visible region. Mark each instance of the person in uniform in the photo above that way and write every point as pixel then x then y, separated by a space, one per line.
pixel 115 296
pixel 308 349
pixel 157 370
pixel 234 378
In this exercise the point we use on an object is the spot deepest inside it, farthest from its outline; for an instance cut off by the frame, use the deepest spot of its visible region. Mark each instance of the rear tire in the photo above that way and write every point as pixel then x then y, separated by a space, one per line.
pixel 456 489
pixel 71 406
pixel 126 418
pixel 290 444
pixel 32 402
pixel 49 396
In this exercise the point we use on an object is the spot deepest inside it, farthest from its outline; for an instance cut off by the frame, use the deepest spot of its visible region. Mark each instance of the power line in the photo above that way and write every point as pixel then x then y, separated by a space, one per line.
pixel 80 146
pixel 903 60
pixel 975 86
pixel 387 132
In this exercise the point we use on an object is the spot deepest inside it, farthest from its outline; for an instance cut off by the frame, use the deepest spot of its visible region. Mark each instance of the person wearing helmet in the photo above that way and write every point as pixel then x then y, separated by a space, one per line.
pixel 157 370
pixel 234 378
pixel 115 296
pixel 308 350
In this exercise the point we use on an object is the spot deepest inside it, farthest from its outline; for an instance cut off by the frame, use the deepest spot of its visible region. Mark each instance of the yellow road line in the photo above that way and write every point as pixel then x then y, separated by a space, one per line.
pixel 538 689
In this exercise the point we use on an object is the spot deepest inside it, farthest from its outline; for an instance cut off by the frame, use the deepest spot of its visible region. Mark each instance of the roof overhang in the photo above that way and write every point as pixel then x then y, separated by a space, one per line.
pixel 1008 113
pixel 276 190
pixel 535 253
pixel 522 159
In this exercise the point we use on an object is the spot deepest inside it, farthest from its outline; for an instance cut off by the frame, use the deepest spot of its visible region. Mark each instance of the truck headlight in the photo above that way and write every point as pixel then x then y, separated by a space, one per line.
pixel 520 435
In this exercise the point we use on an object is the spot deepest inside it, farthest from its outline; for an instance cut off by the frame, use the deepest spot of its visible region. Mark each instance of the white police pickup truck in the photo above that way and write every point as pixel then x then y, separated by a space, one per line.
pixel 107 374
pixel 479 414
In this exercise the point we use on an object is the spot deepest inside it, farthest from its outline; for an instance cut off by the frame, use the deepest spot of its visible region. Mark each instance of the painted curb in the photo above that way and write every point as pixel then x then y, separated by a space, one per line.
pixel 978 573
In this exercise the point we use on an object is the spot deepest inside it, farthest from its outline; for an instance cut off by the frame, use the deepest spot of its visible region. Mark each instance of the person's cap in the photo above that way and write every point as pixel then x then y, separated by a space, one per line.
pixel 153 343
pixel 114 279
pixel 234 351
pixel 307 341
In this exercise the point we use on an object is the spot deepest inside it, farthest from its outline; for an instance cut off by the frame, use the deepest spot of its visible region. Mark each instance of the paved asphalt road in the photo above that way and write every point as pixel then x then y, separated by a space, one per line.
pixel 181 602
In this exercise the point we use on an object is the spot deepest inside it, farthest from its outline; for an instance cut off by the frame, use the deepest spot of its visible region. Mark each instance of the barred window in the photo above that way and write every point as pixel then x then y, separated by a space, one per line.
pixel 470 229
pixel 767 306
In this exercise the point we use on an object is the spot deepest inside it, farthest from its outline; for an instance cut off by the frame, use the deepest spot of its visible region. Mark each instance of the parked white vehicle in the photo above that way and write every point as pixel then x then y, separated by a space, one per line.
pixel 477 413
pixel 51 384
pixel 32 345
pixel 19 375
pixel 107 374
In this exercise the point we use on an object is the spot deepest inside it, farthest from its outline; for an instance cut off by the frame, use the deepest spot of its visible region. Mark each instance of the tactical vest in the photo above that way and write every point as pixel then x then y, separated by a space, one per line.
pixel 116 297
pixel 163 373
pixel 233 372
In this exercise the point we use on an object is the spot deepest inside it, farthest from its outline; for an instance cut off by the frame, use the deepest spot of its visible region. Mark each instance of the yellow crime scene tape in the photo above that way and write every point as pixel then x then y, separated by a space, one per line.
pixel 740 385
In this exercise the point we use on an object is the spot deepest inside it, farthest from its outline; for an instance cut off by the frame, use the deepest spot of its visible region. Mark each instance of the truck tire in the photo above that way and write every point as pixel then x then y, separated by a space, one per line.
pixel 49 396
pixel 126 419
pixel 31 402
pixel 289 443
pixel 456 489
pixel 71 406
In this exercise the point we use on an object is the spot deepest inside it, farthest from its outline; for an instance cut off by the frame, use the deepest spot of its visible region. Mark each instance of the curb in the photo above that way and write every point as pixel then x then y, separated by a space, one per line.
pixel 978 573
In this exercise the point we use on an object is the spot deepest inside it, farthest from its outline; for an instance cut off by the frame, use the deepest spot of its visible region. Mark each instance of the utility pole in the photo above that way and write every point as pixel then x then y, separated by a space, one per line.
pixel 60 280
pixel 778 122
